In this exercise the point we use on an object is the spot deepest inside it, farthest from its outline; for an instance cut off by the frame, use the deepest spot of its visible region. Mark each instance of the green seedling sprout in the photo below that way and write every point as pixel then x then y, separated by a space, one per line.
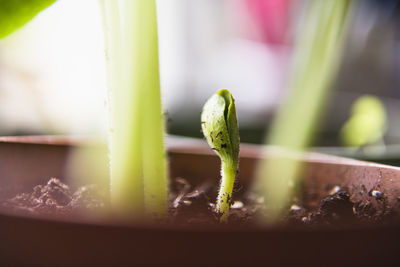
pixel 220 128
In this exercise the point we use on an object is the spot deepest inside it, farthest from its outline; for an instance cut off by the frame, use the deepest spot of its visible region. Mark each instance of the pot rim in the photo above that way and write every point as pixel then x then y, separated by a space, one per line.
pixel 188 146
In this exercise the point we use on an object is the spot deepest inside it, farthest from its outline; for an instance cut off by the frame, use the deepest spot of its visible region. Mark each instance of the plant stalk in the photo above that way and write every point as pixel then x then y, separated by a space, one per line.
pixel 124 119
pixel 316 62
pixel 224 199
pixel 137 154
pixel 146 62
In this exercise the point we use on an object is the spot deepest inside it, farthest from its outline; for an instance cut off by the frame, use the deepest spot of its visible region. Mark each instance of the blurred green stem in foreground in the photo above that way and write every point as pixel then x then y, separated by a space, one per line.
pixel 316 59
pixel 137 154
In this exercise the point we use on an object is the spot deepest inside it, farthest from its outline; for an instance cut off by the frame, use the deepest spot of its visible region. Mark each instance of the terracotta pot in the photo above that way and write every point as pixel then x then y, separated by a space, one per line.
pixel 27 161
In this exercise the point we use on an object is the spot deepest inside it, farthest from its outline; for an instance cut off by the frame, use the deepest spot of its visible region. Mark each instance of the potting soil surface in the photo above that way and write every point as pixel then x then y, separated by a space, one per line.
pixel 195 206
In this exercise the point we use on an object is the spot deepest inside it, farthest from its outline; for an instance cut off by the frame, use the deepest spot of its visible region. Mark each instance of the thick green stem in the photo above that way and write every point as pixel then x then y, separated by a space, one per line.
pixel 124 119
pixel 138 163
pixel 142 42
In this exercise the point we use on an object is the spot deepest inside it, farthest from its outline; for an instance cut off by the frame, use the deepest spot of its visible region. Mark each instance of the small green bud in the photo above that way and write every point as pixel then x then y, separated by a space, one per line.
pixel 220 128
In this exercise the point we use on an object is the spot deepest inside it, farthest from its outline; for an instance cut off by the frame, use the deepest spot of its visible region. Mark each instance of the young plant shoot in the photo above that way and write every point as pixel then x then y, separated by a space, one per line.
pixel 220 128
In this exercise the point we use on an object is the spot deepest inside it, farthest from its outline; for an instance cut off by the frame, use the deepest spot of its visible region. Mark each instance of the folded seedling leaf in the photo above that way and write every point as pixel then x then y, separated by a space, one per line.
pixel 220 128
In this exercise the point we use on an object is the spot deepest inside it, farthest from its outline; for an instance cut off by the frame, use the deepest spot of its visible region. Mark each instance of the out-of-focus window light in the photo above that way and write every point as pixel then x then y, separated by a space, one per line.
pixel 52 72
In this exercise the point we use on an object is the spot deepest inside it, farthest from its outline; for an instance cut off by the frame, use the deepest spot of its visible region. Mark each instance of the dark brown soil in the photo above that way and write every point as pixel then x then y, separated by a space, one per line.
pixel 335 211
pixel 56 198
pixel 195 206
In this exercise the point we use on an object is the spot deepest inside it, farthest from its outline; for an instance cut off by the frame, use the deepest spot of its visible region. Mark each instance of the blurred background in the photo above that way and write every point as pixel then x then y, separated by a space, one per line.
pixel 52 71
